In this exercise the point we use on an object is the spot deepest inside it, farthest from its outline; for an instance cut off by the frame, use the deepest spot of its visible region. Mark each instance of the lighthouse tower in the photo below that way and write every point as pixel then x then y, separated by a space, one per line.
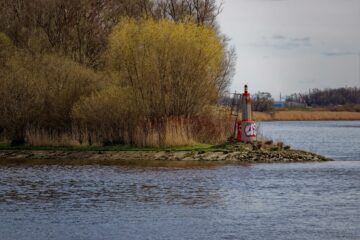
pixel 246 127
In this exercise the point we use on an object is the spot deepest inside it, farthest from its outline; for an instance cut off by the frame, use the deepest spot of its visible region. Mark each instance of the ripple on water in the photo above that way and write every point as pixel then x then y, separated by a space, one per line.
pixel 275 201
pixel 339 140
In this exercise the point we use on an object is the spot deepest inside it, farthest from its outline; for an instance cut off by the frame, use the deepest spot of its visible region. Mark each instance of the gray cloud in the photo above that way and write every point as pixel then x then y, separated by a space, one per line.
pixel 299 43
pixel 278 37
pixel 339 52
pixel 282 42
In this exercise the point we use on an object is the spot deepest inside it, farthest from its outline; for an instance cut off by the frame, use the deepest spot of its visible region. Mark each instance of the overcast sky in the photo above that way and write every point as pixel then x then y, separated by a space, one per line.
pixel 292 45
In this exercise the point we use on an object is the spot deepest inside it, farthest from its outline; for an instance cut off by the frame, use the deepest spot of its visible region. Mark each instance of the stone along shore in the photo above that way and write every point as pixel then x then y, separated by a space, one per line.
pixel 246 153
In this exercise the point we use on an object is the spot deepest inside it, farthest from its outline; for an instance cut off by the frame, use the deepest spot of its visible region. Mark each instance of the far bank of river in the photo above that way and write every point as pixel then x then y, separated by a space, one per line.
pixel 306 116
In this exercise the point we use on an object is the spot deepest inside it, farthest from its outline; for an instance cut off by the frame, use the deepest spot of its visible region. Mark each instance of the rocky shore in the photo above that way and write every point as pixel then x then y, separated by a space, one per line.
pixel 246 153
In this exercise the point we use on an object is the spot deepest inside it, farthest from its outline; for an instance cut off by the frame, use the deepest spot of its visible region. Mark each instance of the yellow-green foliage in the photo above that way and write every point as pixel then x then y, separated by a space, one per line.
pixel 171 67
pixel 107 116
pixel 6 47
pixel 19 97
pixel 5 41
pixel 159 79
pixel 40 91
pixel 63 83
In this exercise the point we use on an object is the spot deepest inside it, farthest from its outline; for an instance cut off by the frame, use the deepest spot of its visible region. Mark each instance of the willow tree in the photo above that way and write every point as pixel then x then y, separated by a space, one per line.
pixel 38 92
pixel 79 28
pixel 171 68
pixel 6 49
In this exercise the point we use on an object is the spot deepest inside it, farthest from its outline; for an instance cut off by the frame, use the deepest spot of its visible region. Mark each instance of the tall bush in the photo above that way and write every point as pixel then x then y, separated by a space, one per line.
pixel 39 91
pixel 171 67
pixel 107 116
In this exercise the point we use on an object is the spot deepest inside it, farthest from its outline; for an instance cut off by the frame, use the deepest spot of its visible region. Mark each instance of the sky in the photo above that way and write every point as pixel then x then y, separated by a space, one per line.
pixel 287 46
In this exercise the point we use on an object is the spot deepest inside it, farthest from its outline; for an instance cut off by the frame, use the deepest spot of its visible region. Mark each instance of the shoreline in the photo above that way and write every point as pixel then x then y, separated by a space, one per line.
pixel 234 153
pixel 306 116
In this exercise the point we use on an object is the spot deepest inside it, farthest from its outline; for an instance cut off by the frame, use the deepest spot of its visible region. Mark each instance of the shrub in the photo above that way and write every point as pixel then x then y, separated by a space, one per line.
pixel 108 115
pixel 39 92
pixel 164 76
pixel 6 48
pixel 20 99
pixel 171 68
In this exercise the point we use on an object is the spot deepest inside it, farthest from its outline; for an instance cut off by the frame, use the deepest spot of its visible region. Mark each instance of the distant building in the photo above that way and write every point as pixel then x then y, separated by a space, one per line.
pixel 282 104
pixel 278 104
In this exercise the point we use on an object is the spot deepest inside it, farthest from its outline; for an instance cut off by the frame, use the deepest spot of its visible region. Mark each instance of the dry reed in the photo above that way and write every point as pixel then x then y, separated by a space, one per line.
pixel 306 116
pixel 39 137
pixel 177 131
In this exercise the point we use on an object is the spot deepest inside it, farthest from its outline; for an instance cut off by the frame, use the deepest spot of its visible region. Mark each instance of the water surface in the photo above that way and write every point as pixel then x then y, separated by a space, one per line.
pixel 191 200
pixel 339 140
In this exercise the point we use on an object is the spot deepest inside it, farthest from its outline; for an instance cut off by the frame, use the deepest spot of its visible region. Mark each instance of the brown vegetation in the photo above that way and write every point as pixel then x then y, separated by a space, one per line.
pixel 262 102
pixel 105 72
pixel 305 116
pixel 80 29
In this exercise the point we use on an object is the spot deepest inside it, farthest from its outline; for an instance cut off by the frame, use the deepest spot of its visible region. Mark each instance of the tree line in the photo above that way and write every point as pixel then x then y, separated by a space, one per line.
pixel 348 97
pixel 260 102
pixel 138 72
pixel 80 28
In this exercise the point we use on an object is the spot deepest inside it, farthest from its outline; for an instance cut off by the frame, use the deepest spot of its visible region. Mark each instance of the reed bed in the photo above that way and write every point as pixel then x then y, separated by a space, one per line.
pixel 177 131
pixel 306 116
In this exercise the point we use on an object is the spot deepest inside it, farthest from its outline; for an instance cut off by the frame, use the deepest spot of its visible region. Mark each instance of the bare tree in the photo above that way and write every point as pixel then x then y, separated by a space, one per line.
pixel 201 11
pixel 262 101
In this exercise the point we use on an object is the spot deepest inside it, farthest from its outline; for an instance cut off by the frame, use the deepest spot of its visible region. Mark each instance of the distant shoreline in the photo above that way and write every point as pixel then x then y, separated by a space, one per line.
pixel 306 116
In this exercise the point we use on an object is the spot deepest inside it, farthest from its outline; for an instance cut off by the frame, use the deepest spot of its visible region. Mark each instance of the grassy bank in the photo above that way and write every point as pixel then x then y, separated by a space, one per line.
pixel 257 152
pixel 305 115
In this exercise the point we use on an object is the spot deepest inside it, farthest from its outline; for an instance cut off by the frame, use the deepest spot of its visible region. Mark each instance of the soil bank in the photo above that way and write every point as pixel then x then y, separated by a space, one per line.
pixel 242 153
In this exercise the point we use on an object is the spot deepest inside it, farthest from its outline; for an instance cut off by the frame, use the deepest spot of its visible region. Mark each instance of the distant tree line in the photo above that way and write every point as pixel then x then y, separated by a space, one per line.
pixel 349 96
pixel 260 101
pixel 339 99
pixel 145 72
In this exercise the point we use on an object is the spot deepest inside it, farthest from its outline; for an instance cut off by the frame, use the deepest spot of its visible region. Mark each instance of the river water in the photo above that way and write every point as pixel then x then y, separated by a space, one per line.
pixel 189 200
pixel 339 140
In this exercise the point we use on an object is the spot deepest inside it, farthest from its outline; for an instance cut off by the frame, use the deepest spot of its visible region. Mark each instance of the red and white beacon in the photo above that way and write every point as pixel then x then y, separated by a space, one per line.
pixel 246 127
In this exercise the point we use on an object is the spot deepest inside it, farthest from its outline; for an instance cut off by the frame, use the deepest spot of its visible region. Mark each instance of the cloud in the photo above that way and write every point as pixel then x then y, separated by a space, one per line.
pixel 340 52
pixel 278 37
pixel 282 42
